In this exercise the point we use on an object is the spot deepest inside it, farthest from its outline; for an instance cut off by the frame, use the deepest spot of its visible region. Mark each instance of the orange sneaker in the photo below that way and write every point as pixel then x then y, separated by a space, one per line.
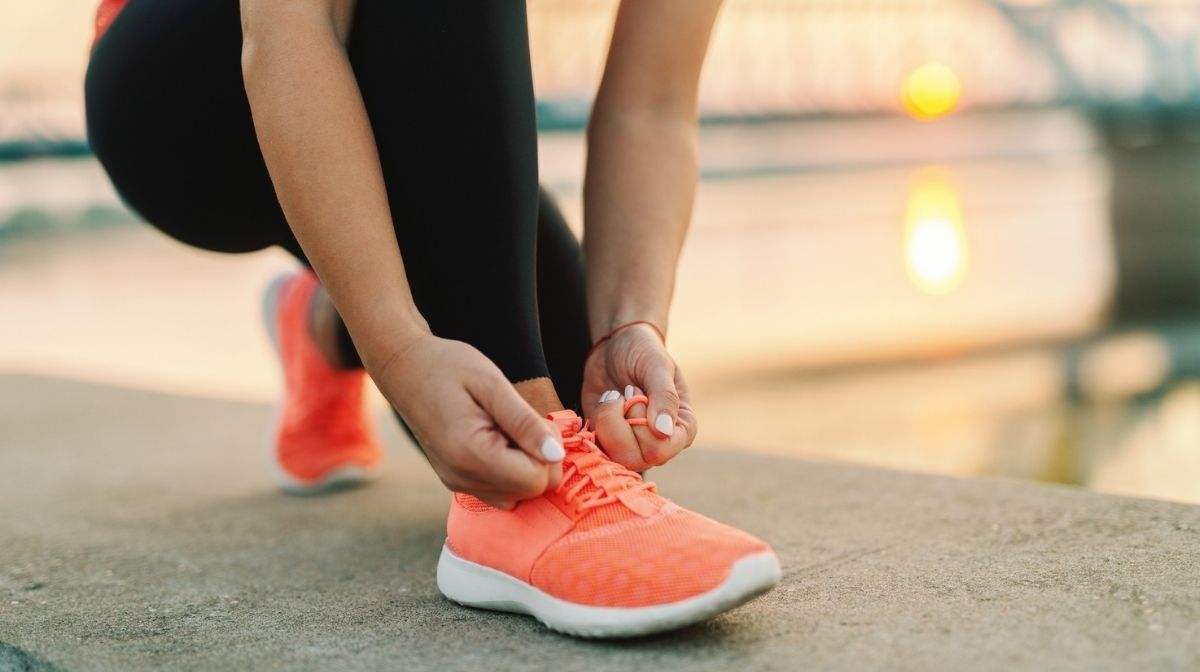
pixel 323 439
pixel 602 555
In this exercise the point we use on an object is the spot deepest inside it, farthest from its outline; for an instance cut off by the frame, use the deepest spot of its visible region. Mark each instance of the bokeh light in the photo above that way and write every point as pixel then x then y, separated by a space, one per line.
pixel 935 238
pixel 931 91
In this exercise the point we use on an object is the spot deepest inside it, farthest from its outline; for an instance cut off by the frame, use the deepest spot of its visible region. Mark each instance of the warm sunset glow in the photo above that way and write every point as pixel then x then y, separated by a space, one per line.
pixel 931 91
pixel 935 239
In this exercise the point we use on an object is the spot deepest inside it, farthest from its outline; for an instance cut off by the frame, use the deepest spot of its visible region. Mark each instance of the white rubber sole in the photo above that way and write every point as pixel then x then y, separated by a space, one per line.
pixel 474 585
pixel 341 478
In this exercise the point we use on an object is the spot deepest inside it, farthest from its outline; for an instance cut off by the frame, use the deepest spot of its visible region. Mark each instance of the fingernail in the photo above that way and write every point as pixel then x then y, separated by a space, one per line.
pixel 629 391
pixel 609 396
pixel 552 450
pixel 664 424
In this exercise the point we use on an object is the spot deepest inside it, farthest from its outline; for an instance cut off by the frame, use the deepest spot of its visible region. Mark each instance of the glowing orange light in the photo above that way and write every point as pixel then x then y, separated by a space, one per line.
pixel 931 91
pixel 935 238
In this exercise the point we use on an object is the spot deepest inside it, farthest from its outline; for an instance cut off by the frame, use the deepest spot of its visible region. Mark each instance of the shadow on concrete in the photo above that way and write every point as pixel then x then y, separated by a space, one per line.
pixel 13 659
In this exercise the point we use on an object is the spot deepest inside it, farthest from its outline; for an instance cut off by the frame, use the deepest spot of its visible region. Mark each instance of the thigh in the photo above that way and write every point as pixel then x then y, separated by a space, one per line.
pixel 168 119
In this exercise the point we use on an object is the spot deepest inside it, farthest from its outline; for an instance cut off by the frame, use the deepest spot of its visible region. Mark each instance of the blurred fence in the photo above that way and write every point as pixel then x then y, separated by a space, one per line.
pixel 801 57
pixel 768 58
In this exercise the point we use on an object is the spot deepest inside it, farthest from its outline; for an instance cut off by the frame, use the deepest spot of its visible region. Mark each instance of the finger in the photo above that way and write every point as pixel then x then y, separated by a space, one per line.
pixel 664 398
pixel 536 436
pixel 590 395
pixel 458 481
pixel 687 416
pixel 602 398
pixel 654 450
pixel 497 491
pixel 615 436
pixel 497 502
pixel 635 408
pixel 686 425
pixel 507 485
pixel 554 477
pixel 685 428
pixel 660 454
pixel 509 474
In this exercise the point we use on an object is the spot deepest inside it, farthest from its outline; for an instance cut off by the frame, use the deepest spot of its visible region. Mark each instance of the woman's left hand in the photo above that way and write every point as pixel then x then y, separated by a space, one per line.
pixel 635 361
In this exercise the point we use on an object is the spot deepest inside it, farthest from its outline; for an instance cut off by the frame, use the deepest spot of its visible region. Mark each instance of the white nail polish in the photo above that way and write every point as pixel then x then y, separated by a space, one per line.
pixel 664 424
pixel 629 391
pixel 609 396
pixel 553 450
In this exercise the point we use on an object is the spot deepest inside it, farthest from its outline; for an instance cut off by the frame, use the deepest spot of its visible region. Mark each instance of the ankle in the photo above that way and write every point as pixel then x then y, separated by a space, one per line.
pixel 323 326
pixel 540 394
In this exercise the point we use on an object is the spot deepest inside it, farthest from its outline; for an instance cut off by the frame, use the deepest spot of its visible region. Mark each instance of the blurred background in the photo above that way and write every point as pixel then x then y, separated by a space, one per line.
pixel 955 236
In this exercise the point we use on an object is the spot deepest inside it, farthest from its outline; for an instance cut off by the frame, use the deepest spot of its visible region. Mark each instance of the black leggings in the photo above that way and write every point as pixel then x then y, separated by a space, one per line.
pixel 448 90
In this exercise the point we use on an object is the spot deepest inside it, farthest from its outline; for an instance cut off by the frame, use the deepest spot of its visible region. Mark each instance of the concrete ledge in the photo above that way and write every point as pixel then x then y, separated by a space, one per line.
pixel 140 532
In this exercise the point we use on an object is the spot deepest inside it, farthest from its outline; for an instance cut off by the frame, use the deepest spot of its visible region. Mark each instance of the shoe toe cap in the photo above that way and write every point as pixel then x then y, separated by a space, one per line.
pixel 668 559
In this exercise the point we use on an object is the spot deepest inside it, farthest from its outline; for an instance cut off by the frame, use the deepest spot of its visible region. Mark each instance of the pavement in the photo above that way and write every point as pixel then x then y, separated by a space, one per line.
pixel 138 531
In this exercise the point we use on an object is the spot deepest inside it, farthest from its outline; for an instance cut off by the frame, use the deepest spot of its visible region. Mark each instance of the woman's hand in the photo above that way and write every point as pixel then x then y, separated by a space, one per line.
pixel 467 418
pixel 633 360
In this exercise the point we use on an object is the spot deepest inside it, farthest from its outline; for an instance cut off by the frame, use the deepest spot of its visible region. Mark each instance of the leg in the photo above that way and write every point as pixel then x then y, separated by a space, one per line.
pixel 168 118
pixel 562 302
pixel 451 104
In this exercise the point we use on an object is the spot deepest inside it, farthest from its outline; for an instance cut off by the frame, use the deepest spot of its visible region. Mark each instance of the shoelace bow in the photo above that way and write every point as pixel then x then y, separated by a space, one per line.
pixel 606 478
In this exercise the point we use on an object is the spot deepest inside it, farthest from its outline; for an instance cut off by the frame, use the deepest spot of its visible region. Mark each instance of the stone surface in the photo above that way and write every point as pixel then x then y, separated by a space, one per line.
pixel 139 531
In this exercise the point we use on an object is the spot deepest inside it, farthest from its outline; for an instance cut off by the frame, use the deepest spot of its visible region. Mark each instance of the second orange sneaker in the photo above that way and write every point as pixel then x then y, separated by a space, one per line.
pixel 602 555
pixel 323 439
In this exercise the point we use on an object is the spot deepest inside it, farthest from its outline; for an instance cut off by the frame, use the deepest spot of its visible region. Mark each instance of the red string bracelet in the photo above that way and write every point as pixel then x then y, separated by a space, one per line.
pixel 599 342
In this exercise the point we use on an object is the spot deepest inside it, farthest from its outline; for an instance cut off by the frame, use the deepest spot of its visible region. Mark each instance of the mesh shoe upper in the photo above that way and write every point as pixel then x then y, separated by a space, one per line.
pixel 323 424
pixel 615 542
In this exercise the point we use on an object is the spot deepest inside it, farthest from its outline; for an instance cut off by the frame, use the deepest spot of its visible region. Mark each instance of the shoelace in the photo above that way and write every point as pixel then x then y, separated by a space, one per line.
pixel 606 478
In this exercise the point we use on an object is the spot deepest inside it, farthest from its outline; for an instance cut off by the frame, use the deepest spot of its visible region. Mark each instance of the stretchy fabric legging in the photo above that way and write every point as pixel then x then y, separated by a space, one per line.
pixel 448 90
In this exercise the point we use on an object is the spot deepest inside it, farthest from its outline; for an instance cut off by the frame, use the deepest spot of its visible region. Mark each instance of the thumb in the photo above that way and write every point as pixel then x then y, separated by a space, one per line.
pixel 663 409
pixel 534 435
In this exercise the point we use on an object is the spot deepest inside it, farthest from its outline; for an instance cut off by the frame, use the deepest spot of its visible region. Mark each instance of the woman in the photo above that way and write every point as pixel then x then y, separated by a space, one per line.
pixel 391 146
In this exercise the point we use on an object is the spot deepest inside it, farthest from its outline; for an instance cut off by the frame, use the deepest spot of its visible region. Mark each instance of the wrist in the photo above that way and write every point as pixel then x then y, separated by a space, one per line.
pixel 628 327
pixel 385 359
pixel 387 336
pixel 604 321
pixel 618 294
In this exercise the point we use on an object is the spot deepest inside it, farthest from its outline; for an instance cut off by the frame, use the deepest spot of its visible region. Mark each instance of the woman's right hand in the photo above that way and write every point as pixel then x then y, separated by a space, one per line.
pixel 479 435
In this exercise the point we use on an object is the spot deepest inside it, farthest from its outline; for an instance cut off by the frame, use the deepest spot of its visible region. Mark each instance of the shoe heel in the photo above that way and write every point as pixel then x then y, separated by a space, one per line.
pixel 270 307
pixel 471 585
